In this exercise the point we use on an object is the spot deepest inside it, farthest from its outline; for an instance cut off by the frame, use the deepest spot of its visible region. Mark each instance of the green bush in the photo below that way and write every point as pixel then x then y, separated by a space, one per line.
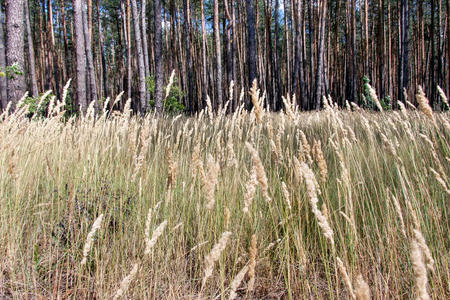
pixel 38 110
pixel 386 102
pixel 11 71
pixel 172 104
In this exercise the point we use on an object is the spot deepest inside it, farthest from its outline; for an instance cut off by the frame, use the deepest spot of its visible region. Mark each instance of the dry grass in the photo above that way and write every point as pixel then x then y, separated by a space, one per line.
pixel 226 206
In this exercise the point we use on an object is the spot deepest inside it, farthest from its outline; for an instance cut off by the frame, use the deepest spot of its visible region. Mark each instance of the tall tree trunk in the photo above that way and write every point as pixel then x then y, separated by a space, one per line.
pixel 381 70
pixel 140 57
pixel 204 62
pixel 33 80
pixel 127 32
pixel 92 83
pixel 158 58
pixel 366 36
pixel 3 84
pixel 188 61
pixel 433 52
pixel 389 40
pixel 320 89
pixel 299 69
pixel 448 47
pixel 403 78
pixel 277 79
pixel 81 54
pixel 14 48
pixel 251 41
pixel 218 55
pixel 144 36
pixel 102 53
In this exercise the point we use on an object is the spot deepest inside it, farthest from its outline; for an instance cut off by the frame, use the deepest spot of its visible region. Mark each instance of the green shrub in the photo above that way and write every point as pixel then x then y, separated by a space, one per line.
pixel 11 71
pixel 386 102
pixel 38 110
pixel 172 104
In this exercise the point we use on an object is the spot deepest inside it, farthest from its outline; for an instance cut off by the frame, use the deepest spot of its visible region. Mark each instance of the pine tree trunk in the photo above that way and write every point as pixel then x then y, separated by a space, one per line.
pixel 204 62
pixel 104 68
pixel 127 32
pixel 448 47
pixel 251 41
pixel 299 61
pixel 144 36
pixel 3 85
pixel 92 83
pixel 319 92
pixel 158 58
pixel 34 88
pixel 81 55
pixel 188 61
pixel 403 78
pixel 15 48
pixel 218 55
pixel 381 70
pixel 140 57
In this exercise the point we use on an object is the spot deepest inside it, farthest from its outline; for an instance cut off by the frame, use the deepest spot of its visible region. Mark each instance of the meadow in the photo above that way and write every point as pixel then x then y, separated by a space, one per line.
pixel 338 204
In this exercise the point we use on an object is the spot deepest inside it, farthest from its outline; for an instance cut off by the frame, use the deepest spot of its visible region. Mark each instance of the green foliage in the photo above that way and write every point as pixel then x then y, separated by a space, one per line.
pixel 385 102
pixel 38 106
pixel 11 71
pixel 172 104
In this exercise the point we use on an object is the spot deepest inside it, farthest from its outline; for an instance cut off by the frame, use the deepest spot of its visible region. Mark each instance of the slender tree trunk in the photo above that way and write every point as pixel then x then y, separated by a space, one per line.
pixel 3 84
pixel 102 54
pixel 277 79
pixel 448 47
pixel 127 32
pixel 144 37
pixel 158 58
pixel 140 57
pixel 81 54
pixel 188 61
pixel 33 80
pixel 320 56
pixel 433 78
pixel 218 55
pixel 366 36
pixel 389 40
pixel 92 84
pixel 403 80
pixel 204 62
pixel 14 48
pixel 381 70
pixel 299 69
pixel 251 41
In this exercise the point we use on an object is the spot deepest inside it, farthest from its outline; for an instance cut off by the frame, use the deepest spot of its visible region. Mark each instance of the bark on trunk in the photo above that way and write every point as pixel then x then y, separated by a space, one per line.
pixel 403 78
pixel 3 85
pixel 140 58
pixel 251 41
pixel 34 88
pixel 14 48
pixel 90 60
pixel 319 73
pixel 81 55
pixel 218 55
pixel 158 58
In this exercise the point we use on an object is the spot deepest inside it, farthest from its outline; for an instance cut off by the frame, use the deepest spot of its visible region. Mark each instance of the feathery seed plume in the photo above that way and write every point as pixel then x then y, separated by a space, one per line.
pixel 260 173
pixel 362 290
pixel 214 255
pixel 126 283
pixel 90 238
pixel 420 271
pixel 237 282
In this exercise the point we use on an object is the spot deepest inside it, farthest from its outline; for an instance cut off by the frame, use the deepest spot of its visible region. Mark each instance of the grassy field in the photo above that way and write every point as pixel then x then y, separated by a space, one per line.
pixel 338 204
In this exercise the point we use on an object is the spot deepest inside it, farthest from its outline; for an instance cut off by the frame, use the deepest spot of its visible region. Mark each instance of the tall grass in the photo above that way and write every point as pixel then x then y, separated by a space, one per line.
pixel 335 204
